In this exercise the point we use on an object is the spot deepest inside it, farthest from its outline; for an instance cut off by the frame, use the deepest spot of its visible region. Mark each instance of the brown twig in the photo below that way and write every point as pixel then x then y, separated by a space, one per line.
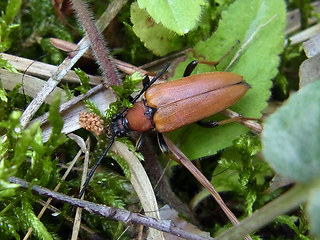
pixel 63 69
pixel 98 45
pixel 75 159
pixel 182 159
pixel 111 212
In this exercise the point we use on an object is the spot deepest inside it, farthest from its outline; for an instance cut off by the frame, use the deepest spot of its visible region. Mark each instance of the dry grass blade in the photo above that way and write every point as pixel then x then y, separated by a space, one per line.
pixel 182 159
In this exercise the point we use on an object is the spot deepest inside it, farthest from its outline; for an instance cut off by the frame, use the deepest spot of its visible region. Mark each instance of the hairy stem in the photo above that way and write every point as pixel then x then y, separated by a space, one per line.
pixel 100 52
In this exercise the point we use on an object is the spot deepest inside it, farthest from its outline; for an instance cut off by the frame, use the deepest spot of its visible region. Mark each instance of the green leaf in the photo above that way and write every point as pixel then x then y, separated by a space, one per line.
pixel 12 10
pixel 6 23
pixel 3 95
pixel 124 91
pixel 179 16
pixel 23 145
pixel 155 36
pixel 7 190
pixel 33 221
pixel 84 81
pixel 292 221
pixel 8 226
pixel 6 65
pixel 261 36
pixel 291 136
pixel 54 116
pixel 56 137
pixel 313 210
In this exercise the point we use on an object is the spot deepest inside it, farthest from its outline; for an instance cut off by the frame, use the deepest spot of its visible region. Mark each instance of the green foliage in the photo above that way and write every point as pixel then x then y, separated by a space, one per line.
pixel 13 98
pixel 299 226
pixel 261 37
pixel 8 228
pixel 7 25
pixel 155 36
pixel 32 220
pixel 84 80
pixel 122 162
pixel 91 106
pixel 291 136
pixel 38 22
pixel 124 92
pixel 240 171
pixel 292 57
pixel 290 141
pixel 23 154
pixel 84 88
pixel 313 210
pixel 4 64
pixel 164 28
pixel 3 95
pixel 110 189
pixel 179 16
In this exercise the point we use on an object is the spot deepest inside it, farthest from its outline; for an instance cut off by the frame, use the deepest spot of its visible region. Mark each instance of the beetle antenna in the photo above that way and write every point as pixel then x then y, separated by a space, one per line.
pixel 146 86
pixel 96 166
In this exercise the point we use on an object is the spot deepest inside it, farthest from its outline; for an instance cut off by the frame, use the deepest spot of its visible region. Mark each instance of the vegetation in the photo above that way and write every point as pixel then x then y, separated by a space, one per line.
pixel 275 172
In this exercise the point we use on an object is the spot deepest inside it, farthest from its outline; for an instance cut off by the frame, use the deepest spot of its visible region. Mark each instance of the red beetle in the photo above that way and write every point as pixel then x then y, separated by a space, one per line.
pixel 171 105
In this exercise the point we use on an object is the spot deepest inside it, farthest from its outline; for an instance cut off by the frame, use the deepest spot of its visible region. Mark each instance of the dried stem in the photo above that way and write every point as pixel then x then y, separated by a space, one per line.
pixel 98 45
pixel 111 212
pixel 61 71
pixel 182 159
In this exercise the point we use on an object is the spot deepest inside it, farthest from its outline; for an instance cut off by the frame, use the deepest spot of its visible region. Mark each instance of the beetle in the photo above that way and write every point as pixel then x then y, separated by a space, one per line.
pixel 171 105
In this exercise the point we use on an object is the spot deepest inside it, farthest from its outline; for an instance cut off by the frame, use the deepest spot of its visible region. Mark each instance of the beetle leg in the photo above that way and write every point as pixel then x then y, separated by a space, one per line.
pixel 192 65
pixel 145 81
pixel 212 124
pixel 162 144
pixel 139 143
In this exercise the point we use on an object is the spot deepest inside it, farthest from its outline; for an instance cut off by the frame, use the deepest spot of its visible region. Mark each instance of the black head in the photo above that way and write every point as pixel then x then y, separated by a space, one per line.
pixel 119 126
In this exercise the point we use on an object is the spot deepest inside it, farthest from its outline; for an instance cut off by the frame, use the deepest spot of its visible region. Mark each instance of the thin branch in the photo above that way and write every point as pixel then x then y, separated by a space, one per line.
pixel 82 145
pixel 112 213
pixel 182 159
pixel 285 203
pixel 61 71
pixel 252 124
pixel 98 45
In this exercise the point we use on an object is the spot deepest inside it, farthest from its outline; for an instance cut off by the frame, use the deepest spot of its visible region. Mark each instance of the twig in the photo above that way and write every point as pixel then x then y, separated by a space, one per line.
pixel 112 213
pixel 53 81
pixel 61 71
pixel 85 147
pixel 43 70
pixel 67 105
pixel 248 123
pixel 47 203
pixel 98 45
pixel 57 211
pixel 285 203
pixel 182 159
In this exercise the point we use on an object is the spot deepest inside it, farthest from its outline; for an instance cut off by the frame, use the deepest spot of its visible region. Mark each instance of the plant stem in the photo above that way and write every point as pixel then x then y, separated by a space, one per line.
pixel 101 53
pixel 113 213
pixel 286 202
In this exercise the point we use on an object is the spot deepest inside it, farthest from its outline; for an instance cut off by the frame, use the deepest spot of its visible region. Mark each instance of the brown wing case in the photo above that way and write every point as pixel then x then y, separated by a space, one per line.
pixel 193 98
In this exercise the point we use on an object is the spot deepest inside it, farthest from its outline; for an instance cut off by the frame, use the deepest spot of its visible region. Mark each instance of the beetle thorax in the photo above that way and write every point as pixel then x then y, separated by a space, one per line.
pixel 140 117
